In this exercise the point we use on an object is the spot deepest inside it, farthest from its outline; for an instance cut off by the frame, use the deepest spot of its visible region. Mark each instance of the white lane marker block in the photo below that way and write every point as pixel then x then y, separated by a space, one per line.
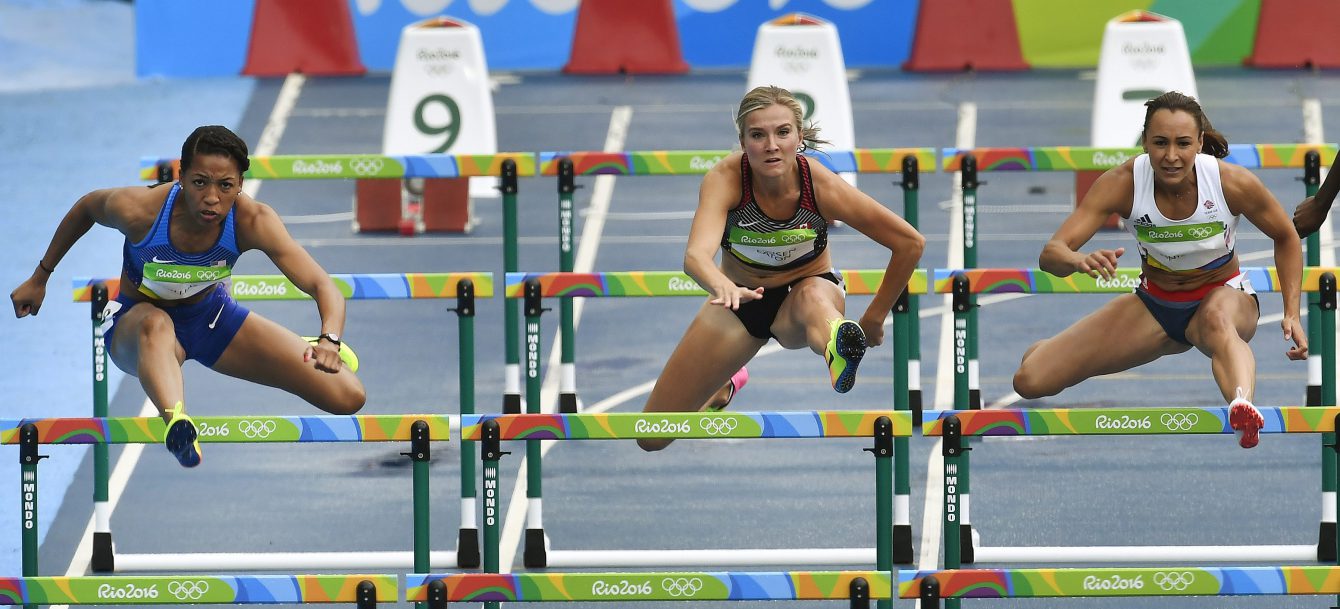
pixel 441 100
pixel 1143 55
pixel 802 53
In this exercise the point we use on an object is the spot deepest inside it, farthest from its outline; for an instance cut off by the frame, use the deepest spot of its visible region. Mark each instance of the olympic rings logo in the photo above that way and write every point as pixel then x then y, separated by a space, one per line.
pixel 681 586
pixel 257 429
pixel 366 166
pixel 1200 232
pixel 188 590
pixel 718 426
pixel 1179 421
pixel 1174 580
pixel 792 238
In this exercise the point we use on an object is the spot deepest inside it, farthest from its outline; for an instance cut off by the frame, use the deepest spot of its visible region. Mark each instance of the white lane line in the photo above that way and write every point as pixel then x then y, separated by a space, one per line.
pixel 601 194
pixel 965 137
pixel 339 216
pixel 269 141
pixel 1314 132
pixel 275 126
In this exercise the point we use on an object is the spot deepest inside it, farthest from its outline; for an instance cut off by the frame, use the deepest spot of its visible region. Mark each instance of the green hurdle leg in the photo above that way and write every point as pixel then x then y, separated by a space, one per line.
pixel 490 452
pixel 28 459
pixel 102 560
pixel 902 489
pixel 970 184
pixel 1316 362
pixel 911 184
pixel 467 540
pixel 420 455
pixel 955 468
pixel 567 389
pixel 883 450
pixel 1327 305
pixel 511 314
pixel 962 305
pixel 534 555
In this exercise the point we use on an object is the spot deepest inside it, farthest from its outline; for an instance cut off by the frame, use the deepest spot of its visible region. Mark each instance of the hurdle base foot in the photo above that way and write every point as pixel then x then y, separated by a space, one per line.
pixel 567 403
pixel 104 558
pixel 467 549
pixel 535 555
pixel 1326 550
pixel 914 403
pixel 902 544
pixel 966 553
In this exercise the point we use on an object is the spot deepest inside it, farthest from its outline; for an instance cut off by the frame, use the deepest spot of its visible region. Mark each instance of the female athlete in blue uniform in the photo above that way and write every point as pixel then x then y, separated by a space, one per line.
pixel 1182 206
pixel 182 241
pixel 767 209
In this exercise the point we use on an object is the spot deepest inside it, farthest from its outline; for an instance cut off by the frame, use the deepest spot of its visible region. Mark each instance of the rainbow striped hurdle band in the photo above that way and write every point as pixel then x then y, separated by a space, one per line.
pixel 195 589
pixel 687 425
pixel 866 281
pixel 231 429
pixel 369 286
pixel 1126 421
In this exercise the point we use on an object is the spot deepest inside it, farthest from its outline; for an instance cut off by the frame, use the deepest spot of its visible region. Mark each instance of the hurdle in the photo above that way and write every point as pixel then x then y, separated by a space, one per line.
pixel 955 426
pixel 883 426
pixel 418 429
pixel 961 283
pixel 567 165
pixel 533 287
pixel 1076 158
pixel 860 587
pixel 930 587
pixel 364 591
pixel 465 287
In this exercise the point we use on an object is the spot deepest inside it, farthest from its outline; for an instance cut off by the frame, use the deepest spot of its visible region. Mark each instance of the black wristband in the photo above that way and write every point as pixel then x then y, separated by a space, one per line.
pixel 44 267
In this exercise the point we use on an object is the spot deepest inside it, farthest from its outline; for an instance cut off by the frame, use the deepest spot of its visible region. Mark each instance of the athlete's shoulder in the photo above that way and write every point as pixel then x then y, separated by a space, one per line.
pixel 129 206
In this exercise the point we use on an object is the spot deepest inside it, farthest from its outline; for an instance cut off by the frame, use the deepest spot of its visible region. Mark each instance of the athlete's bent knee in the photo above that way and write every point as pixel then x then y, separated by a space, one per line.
pixel 155 325
pixel 652 445
pixel 1031 386
pixel 347 401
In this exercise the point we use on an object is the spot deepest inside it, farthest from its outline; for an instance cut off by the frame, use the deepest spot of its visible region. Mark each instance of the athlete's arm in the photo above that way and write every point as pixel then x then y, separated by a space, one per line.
pixel 842 201
pixel 1311 213
pixel 1246 195
pixel 261 228
pixel 1110 194
pixel 114 207
pixel 719 192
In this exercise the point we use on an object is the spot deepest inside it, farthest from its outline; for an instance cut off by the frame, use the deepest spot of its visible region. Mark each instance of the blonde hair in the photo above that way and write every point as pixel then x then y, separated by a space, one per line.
pixel 762 97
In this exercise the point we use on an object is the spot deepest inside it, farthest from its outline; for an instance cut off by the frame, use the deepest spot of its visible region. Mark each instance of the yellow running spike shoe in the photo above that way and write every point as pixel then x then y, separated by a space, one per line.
pixel 846 347
pixel 181 437
pixel 347 354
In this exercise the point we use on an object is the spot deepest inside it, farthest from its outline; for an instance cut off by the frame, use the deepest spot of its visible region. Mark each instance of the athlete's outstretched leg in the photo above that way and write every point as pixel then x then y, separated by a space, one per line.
pixel 265 352
pixel 1221 327
pixel 1087 348
pixel 715 346
pixel 144 344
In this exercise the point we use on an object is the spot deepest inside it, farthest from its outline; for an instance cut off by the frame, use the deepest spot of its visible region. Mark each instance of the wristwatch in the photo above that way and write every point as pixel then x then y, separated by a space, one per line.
pixel 332 337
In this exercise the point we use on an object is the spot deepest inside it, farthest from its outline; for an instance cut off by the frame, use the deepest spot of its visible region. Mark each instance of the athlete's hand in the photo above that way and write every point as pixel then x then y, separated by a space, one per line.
pixel 731 295
pixel 1101 263
pixel 1308 217
pixel 327 356
pixel 1293 331
pixel 873 328
pixel 28 297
